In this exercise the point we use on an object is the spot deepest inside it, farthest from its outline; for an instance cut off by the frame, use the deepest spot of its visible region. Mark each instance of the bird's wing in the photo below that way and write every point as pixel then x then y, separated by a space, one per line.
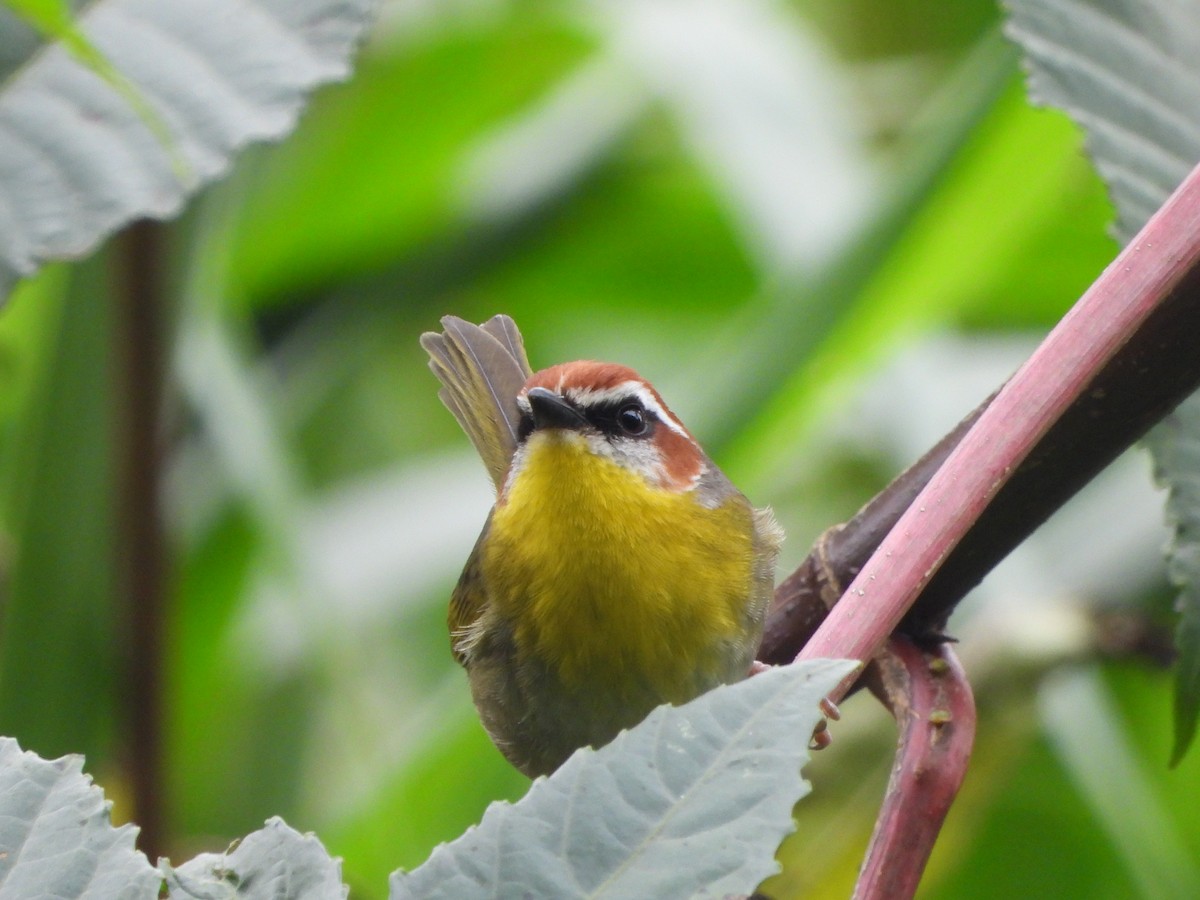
pixel 482 368
pixel 467 604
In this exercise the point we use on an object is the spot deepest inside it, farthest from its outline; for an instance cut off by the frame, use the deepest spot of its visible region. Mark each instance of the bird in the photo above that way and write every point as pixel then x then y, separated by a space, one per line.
pixel 619 568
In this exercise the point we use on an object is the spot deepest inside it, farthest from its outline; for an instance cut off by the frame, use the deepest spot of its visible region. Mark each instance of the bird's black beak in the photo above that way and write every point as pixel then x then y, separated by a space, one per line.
pixel 550 410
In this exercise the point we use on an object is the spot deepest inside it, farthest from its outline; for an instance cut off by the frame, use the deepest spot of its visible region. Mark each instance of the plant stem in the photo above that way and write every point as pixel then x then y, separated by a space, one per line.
pixel 928 693
pixel 140 546
pixel 804 598
pixel 1155 276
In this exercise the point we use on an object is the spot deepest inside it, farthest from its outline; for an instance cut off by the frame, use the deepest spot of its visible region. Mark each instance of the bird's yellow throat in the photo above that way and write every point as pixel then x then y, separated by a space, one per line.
pixel 604 575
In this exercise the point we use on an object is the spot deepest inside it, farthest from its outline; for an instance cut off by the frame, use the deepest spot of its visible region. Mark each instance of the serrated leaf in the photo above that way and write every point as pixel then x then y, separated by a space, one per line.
pixel 691 803
pixel 186 84
pixel 275 861
pixel 1129 73
pixel 56 837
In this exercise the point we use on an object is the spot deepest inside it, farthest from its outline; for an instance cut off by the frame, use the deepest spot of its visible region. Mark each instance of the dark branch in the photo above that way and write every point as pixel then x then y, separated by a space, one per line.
pixel 140 546
pixel 1155 369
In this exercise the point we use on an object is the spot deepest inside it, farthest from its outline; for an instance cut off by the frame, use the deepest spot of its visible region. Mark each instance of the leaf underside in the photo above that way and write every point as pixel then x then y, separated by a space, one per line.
pixel 691 803
pixel 1128 72
pixel 170 95
pixel 57 841
pixel 56 837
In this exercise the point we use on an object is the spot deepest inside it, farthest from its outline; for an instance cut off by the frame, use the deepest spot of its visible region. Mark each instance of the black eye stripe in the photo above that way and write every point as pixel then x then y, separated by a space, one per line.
pixel 625 417
pixel 618 417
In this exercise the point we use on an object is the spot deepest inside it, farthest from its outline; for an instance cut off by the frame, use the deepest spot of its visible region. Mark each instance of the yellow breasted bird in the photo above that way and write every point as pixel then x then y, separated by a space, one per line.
pixel 618 570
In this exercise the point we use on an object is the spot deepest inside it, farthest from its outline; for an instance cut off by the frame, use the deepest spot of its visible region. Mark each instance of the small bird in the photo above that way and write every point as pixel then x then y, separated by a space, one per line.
pixel 619 568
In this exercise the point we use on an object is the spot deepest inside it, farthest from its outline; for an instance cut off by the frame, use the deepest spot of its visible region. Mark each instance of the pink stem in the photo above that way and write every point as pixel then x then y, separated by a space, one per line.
pixel 930 697
pixel 1145 273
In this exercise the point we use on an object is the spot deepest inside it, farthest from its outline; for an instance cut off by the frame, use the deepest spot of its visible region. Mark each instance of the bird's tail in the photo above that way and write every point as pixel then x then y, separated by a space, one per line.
pixel 482 368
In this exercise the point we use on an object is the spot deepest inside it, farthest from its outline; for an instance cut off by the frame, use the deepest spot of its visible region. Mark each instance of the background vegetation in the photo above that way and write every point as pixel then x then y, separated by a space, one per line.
pixel 825 229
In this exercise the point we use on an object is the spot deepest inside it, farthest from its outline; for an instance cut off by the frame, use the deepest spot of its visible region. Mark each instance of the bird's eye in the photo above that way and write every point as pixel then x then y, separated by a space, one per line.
pixel 631 419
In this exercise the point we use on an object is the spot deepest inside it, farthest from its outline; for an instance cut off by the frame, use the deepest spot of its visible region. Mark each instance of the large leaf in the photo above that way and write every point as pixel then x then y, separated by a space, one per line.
pixel 691 803
pixel 1128 71
pixel 175 91
pixel 56 839
pixel 57 648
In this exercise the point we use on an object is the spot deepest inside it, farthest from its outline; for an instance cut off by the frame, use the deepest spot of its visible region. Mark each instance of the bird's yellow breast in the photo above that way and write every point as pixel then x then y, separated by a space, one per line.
pixel 602 575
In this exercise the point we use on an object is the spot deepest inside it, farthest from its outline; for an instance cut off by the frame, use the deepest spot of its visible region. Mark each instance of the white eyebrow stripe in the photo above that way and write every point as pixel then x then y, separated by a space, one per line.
pixel 624 391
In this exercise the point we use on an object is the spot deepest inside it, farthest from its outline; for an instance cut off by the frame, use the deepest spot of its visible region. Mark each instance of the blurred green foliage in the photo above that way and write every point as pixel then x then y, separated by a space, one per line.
pixel 563 163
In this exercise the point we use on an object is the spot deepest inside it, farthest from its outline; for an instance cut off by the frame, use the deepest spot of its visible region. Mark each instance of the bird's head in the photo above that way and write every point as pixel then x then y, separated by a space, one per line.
pixel 611 412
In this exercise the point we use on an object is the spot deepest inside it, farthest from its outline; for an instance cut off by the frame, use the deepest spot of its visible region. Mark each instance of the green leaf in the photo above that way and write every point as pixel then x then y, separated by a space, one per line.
pixel 1086 730
pixel 57 648
pixel 56 837
pixel 182 86
pixel 1022 167
pixel 356 189
pixel 691 803
pixel 1129 73
pixel 275 861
